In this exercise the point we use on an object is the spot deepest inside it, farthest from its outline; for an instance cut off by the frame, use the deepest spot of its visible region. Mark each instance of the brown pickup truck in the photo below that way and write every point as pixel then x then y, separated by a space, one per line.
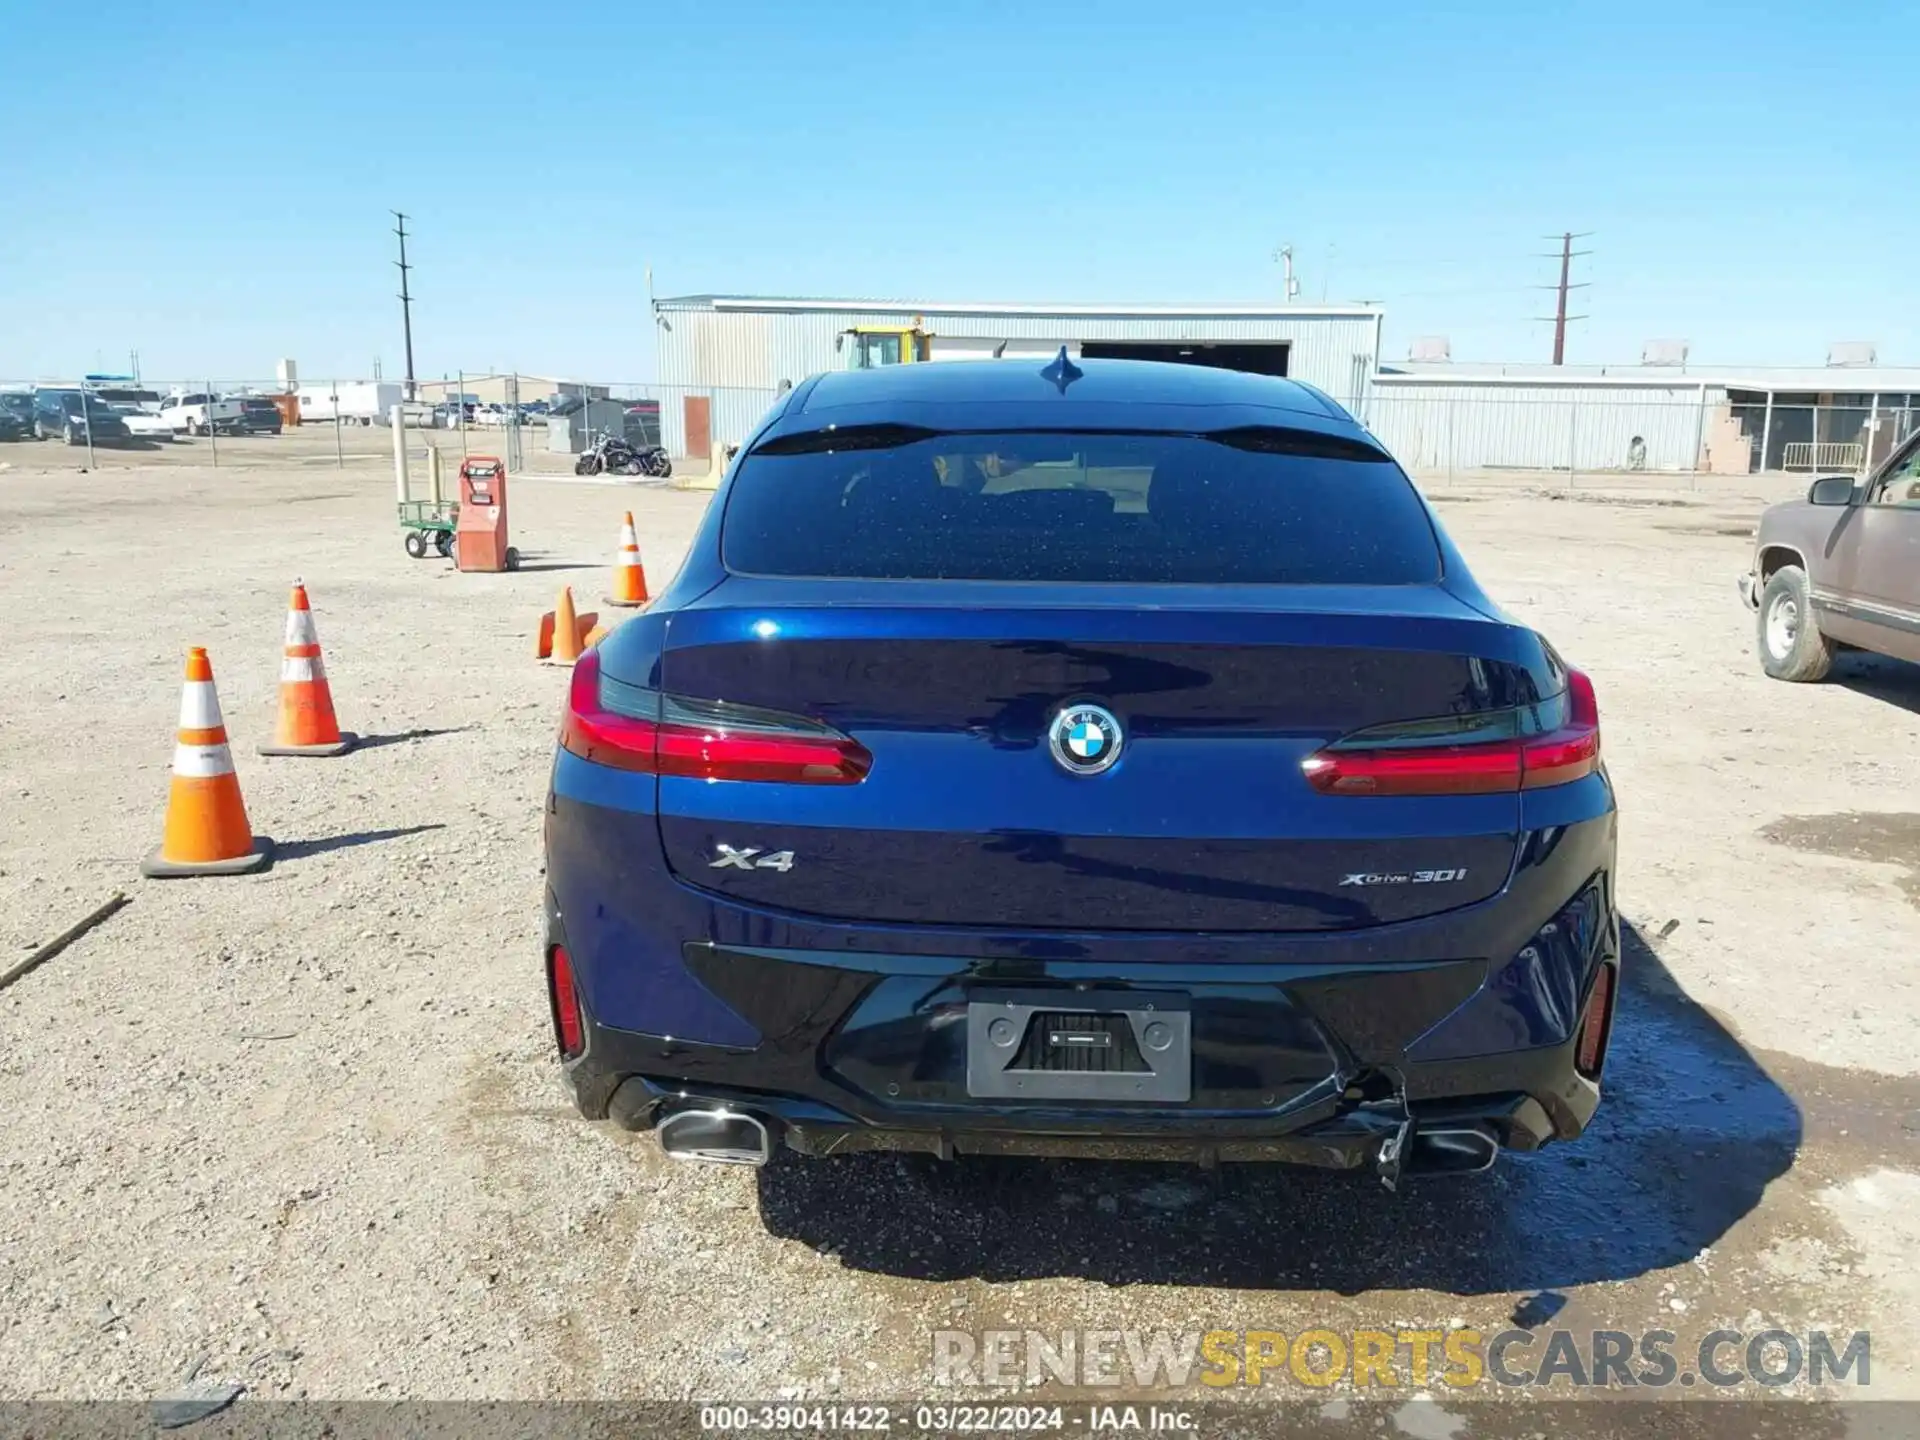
pixel 1840 569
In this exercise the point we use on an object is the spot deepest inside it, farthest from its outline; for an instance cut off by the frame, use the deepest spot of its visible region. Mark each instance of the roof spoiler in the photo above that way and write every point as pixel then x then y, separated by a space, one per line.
pixel 1262 439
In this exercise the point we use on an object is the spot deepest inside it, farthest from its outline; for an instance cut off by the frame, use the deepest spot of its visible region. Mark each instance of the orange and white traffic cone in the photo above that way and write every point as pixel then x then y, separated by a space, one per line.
pixel 563 634
pixel 307 725
pixel 629 575
pixel 207 831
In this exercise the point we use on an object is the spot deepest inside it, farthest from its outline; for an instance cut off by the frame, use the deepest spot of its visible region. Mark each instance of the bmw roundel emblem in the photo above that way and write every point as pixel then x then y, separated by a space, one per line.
pixel 1084 739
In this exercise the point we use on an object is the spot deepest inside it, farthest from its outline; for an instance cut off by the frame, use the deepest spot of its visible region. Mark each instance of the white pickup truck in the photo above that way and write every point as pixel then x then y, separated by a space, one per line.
pixel 198 413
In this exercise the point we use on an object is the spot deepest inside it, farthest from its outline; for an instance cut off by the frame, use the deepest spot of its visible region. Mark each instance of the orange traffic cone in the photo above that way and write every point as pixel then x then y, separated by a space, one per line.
pixel 629 575
pixel 307 725
pixel 563 633
pixel 207 831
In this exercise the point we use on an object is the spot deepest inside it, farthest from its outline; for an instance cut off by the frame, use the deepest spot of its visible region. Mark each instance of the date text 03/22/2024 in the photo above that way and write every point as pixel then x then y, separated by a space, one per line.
pixel 947 1419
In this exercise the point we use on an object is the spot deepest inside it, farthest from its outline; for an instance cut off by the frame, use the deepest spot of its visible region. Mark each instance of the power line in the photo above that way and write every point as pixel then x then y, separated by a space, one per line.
pixel 406 298
pixel 1560 316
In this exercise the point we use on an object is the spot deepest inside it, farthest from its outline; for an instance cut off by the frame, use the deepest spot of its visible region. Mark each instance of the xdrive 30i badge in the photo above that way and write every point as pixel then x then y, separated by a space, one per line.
pixel 1404 877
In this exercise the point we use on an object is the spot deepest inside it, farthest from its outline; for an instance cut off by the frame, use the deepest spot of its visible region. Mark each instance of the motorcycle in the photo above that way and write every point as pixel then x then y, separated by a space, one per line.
pixel 611 455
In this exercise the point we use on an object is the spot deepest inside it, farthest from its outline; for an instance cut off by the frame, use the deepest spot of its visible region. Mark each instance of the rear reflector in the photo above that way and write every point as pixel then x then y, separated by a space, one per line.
pixel 1386 761
pixel 702 739
pixel 566 1005
pixel 1593 1025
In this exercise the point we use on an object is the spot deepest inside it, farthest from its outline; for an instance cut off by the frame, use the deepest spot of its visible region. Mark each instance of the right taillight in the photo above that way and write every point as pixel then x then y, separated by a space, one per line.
pixel 1594 1023
pixel 1533 748
pixel 660 734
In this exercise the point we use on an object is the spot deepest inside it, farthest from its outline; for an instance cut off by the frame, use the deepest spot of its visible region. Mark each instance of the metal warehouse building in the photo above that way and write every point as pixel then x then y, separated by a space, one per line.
pixel 744 348
pixel 724 358
pixel 1729 420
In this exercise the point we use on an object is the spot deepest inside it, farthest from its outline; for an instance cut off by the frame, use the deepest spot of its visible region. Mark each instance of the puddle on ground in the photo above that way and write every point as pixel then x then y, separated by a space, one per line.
pixel 1884 838
pixel 1625 502
pixel 1861 1115
pixel 1738 532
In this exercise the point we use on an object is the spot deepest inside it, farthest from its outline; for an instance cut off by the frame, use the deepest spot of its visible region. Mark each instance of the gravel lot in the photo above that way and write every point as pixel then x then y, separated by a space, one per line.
pixel 305 1126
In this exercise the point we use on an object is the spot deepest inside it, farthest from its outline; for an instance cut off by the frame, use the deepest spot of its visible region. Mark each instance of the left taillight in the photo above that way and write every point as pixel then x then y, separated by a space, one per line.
pixel 568 1028
pixel 1526 748
pixel 631 728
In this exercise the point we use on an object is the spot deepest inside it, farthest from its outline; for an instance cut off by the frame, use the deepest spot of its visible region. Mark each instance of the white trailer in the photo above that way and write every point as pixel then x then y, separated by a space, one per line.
pixel 356 402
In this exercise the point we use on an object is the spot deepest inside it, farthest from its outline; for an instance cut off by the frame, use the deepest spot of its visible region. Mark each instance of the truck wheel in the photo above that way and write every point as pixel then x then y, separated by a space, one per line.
pixel 512 558
pixel 416 544
pixel 1791 645
pixel 443 542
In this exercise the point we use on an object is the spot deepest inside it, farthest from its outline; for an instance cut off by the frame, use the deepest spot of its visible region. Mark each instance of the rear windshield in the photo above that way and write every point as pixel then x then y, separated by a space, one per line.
pixel 1127 509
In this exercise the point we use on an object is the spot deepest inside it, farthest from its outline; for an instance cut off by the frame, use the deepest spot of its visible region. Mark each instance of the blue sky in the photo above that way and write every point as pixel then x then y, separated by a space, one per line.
pixel 209 184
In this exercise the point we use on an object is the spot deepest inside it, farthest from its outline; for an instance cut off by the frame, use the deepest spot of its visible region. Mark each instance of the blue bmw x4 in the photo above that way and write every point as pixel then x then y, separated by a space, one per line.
pixel 1099 760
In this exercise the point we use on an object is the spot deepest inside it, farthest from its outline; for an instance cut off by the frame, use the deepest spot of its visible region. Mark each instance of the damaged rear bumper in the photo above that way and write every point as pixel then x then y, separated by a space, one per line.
pixel 1298 1064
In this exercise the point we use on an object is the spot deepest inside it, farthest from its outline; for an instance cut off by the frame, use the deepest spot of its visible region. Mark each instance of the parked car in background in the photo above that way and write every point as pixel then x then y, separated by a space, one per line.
pixel 259 416
pixel 198 412
pixel 75 417
pixel 1840 568
pixel 16 415
pixel 145 424
pixel 127 397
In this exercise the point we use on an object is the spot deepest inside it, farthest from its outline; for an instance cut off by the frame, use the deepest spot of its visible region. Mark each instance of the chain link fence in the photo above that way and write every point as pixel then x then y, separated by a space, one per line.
pixel 1455 433
pixel 1442 433
pixel 534 423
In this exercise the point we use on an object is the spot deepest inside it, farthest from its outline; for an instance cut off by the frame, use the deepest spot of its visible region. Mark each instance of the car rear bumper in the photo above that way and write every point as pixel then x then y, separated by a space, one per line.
pixel 1311 1049
pixel 1519 1100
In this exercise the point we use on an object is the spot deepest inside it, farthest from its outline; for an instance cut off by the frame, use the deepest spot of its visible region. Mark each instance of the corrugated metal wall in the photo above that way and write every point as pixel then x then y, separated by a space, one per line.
pixel 1465 426
pixel 701 346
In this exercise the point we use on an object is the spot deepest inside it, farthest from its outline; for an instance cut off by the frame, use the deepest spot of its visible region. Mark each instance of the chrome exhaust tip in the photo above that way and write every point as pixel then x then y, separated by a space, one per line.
pixel 719 1137
pixel 1460 1151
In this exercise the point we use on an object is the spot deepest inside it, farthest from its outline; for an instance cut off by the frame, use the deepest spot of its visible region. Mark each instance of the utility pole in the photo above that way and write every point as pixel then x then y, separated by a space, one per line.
pixel 1291 286
pixel 406 298
pixel 1560 316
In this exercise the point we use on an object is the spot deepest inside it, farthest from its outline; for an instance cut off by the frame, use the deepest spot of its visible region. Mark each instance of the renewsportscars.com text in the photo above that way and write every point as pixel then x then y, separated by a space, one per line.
pixel 1458 1358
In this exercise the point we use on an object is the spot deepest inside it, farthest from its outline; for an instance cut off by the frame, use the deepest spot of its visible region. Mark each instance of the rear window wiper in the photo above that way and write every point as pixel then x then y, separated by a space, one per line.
pixel 844 437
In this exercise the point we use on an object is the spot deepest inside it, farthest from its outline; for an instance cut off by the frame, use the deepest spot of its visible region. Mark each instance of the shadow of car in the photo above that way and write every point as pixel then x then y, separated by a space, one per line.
pixel 1693 1132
